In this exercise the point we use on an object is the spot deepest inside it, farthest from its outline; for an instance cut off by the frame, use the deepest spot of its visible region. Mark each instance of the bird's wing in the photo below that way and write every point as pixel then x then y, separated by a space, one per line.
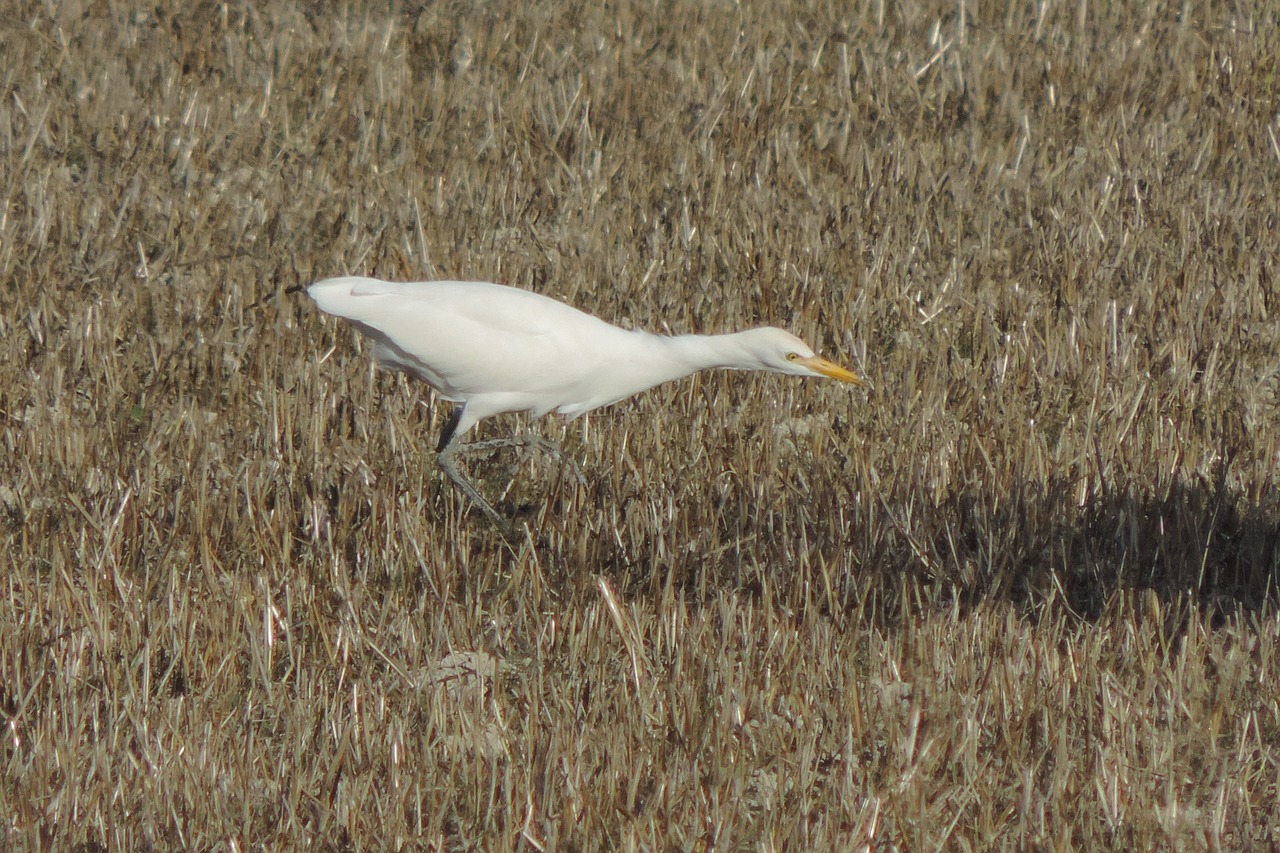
pixel 474 338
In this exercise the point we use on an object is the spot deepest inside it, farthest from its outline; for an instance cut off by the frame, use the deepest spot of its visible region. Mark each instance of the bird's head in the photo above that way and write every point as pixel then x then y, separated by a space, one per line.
pixel 780 351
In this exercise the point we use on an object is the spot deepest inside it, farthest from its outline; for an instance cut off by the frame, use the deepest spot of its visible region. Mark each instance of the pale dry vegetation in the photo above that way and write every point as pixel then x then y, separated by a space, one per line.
pixel 1022 595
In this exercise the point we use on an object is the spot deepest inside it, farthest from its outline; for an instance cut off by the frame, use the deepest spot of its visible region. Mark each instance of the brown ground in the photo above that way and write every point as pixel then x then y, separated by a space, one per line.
pixel 1022 595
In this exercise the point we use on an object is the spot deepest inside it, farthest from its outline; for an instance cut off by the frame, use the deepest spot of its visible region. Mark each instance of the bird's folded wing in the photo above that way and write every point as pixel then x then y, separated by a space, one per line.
pixel 470 338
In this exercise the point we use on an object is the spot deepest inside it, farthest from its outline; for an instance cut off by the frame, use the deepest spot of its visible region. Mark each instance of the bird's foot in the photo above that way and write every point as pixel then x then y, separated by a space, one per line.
pixel 447 460
pixel 447 464
pixel 528 442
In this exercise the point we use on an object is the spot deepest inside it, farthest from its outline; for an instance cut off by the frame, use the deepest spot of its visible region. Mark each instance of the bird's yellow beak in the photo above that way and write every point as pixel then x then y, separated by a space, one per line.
pixel 835 371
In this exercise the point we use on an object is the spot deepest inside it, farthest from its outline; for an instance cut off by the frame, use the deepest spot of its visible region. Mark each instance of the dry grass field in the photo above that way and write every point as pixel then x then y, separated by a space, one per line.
pixel 1021 595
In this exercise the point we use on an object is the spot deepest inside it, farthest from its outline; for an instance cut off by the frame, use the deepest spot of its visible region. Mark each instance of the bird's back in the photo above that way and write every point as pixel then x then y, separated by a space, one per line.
pixel 516 349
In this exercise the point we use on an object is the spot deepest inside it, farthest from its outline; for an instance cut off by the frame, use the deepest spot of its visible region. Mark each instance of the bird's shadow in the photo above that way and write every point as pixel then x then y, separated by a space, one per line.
pixel 1195 541
pixel 1039 546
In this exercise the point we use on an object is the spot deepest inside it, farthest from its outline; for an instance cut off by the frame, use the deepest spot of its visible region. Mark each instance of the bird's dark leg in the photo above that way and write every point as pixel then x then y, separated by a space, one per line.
pixel 446 451
pixel 450 427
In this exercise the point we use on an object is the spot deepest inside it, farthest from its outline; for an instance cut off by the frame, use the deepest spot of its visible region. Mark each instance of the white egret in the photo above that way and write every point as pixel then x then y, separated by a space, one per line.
pixel 491 349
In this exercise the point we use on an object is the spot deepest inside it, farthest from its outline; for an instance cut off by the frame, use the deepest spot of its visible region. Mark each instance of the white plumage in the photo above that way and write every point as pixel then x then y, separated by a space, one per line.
pixel 493 349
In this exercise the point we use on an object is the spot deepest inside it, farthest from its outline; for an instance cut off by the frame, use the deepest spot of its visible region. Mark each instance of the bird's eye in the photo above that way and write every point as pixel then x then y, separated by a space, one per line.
pixel 793 356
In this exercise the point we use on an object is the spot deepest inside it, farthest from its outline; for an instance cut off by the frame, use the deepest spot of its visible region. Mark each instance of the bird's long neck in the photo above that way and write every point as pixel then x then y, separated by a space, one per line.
pixel 692 353
pixel 635 361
